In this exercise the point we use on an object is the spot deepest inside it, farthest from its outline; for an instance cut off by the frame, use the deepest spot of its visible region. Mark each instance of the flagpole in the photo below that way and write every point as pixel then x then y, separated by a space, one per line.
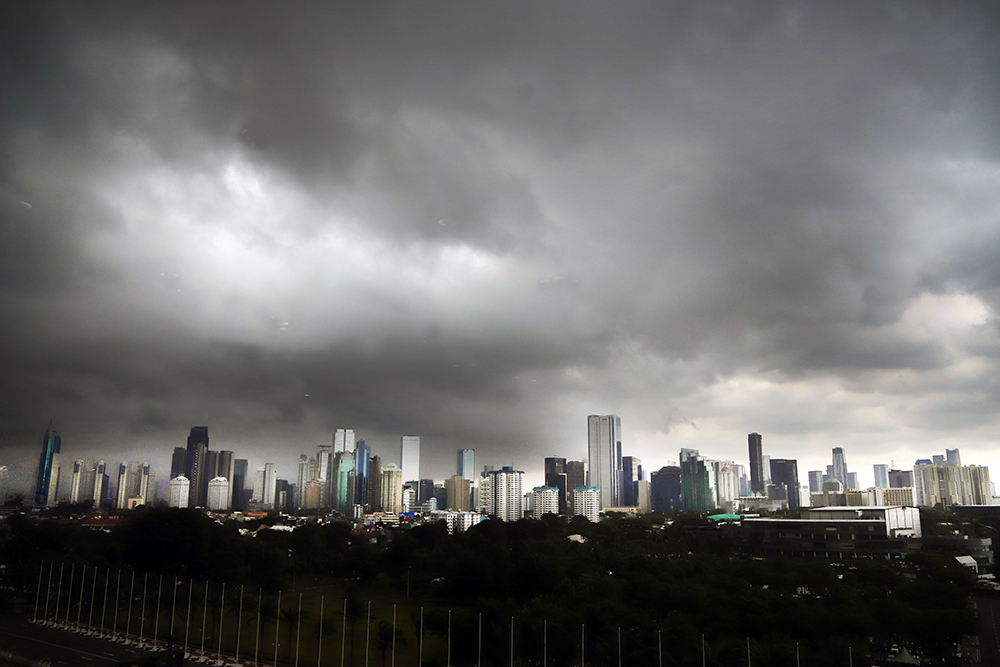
pixel 69 602
pixel 93 594
pixel 128 621
pixel 204 620
pixel 38 595
pixel 222 616
pixel 187 623
pixel 343 632
pixel 142 621
pixel 583 644
pixel 239 625
pixel 298 631
pixel 79 604
pixel 118 600
pixel 156 621
pixel 256 642
pixel 277 624
pixel 104 614
pixel 368 632
pixel 449 638
pixel 173 612
pixel 545 642
pixel 479 655
pixel 48 590
pixel 55 614
pixel 420 640
pixel 319 648
pixel 392 661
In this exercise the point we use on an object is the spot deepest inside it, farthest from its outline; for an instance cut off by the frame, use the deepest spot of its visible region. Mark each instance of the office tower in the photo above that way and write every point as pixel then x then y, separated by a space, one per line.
pixel 197 453
pixel 425 490
pixel 362 454
pixel 100 484
pixel 219 496
pixel 467 463
pixel 342 491
pixel 209 471
pixel 757 483
pixel 343 440
pixel 952 457
pixel 324 460
pixel 785 474
pixel 179 492
pixel 409 499
pixel 840 466
pixel 687 453
pixel 666 490
pixel 501 495
pixel 374 500
pixel 938 459
pixel 82 483
pixel 698 484
pixel 459 493
pixel 815 481
pixel 224 467
pixel 587 502
pixel 310 494
pixel 409 456
pixel 726 483
pixel 766 470
pixel 265 485
pixel 544 500
pixel 555 477
pixel 241 468
pixel 133 483
pixel 391 490
pixel 284 492
pixel 45 490
pixel 631 475
pixel 178 462
pixel 881 475
pixel 441 495
pixel 604 457
pixel 302 477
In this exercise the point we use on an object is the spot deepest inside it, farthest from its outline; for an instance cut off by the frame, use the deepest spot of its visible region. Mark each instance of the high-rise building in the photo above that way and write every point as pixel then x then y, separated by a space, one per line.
pixel 815 481
pixel 544 500
pixel 587 502
pixel 698 484
pixel 785 474
pixel 343 440
pixel 604 457
pixel 555 477
pixel 900 479
pixel 241 468
pixel 391 489
pixel 575 474
pixel 197 455
pixel 48 468
pixel 881 475
pixel 342 478
pixel 840 466
pixel 952 457
pixel 501 495
pixel 425 490
pixel 467 464
pixel 409 456
pixel 178 462
pixel 726 483
pixel 324 460
pixel 82 484
pixel 219 496
pixel 101 485
pixel 179 492
pixel 631 475
pixel 375 484
pixel 666 490
pixel 362 454
pixel 265 485
pixel 225 465
pixel 459 492
pixel 133 482
pixel 757 482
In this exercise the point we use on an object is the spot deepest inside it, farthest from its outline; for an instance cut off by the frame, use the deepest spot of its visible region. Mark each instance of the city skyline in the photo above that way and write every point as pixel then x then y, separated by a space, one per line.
pixel 479 224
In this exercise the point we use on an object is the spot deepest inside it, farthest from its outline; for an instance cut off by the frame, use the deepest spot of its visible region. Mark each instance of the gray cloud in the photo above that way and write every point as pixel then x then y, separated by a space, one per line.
pixel 480 223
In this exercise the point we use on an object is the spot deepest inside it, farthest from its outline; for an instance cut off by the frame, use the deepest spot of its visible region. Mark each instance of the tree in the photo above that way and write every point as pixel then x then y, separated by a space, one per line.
pixel 386 634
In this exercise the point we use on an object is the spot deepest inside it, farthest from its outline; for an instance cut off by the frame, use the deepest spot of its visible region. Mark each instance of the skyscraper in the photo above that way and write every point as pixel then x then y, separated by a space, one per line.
pixel 197 453
pixel 785 473
pixel 362 454
pixel 501 494
pixel 48 468
pixel 555 477
pixel 631 476
pixel 840 466
pixel 816 481
pixel 698 484
pixel 665 490
pixel 178 462
pixel 133 482
pixel 952 457
pixel 604 457
pixel 881 476
pixel 409 456
pixel 757 483
pixel 342 492
pixel 467 463
pixel 392 489
pixel 343 440
pixel 241 467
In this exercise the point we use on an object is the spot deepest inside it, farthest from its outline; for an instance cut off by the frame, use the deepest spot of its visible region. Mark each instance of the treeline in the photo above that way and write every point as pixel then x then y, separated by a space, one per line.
pixel 634 586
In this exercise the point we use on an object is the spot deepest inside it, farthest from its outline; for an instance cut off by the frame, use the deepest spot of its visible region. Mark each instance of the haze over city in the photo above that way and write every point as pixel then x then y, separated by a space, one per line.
pixel 481 223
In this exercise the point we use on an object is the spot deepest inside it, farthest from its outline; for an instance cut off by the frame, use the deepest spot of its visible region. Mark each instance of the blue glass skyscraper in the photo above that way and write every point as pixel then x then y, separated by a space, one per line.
pixel 51 444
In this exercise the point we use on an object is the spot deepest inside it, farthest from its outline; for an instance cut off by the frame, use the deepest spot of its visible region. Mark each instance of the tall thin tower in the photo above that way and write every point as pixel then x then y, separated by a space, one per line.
pixel 604 457
pixel 46 483
pixel 757 474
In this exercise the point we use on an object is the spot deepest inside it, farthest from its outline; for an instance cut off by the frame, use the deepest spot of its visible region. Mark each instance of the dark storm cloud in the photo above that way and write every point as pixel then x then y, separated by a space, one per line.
pixel 476 221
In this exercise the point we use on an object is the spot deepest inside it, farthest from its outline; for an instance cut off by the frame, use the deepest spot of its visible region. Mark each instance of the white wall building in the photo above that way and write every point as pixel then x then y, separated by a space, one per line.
pixel 392 489
pixel 219 497
pixel 604 457
pixel 587 502
pixel 409 457
pixel 500 493
pixel 179 488
pixel 544 500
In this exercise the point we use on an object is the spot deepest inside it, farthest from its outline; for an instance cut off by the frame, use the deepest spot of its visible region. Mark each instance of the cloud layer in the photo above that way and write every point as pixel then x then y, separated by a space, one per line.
pixel 481 223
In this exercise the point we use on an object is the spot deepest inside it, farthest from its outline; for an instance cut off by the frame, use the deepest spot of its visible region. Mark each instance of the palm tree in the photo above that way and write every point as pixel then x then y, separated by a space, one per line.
pixel 290 615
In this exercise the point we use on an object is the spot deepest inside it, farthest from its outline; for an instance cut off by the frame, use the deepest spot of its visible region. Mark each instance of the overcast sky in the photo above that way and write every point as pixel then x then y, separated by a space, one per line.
pixel 481 222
